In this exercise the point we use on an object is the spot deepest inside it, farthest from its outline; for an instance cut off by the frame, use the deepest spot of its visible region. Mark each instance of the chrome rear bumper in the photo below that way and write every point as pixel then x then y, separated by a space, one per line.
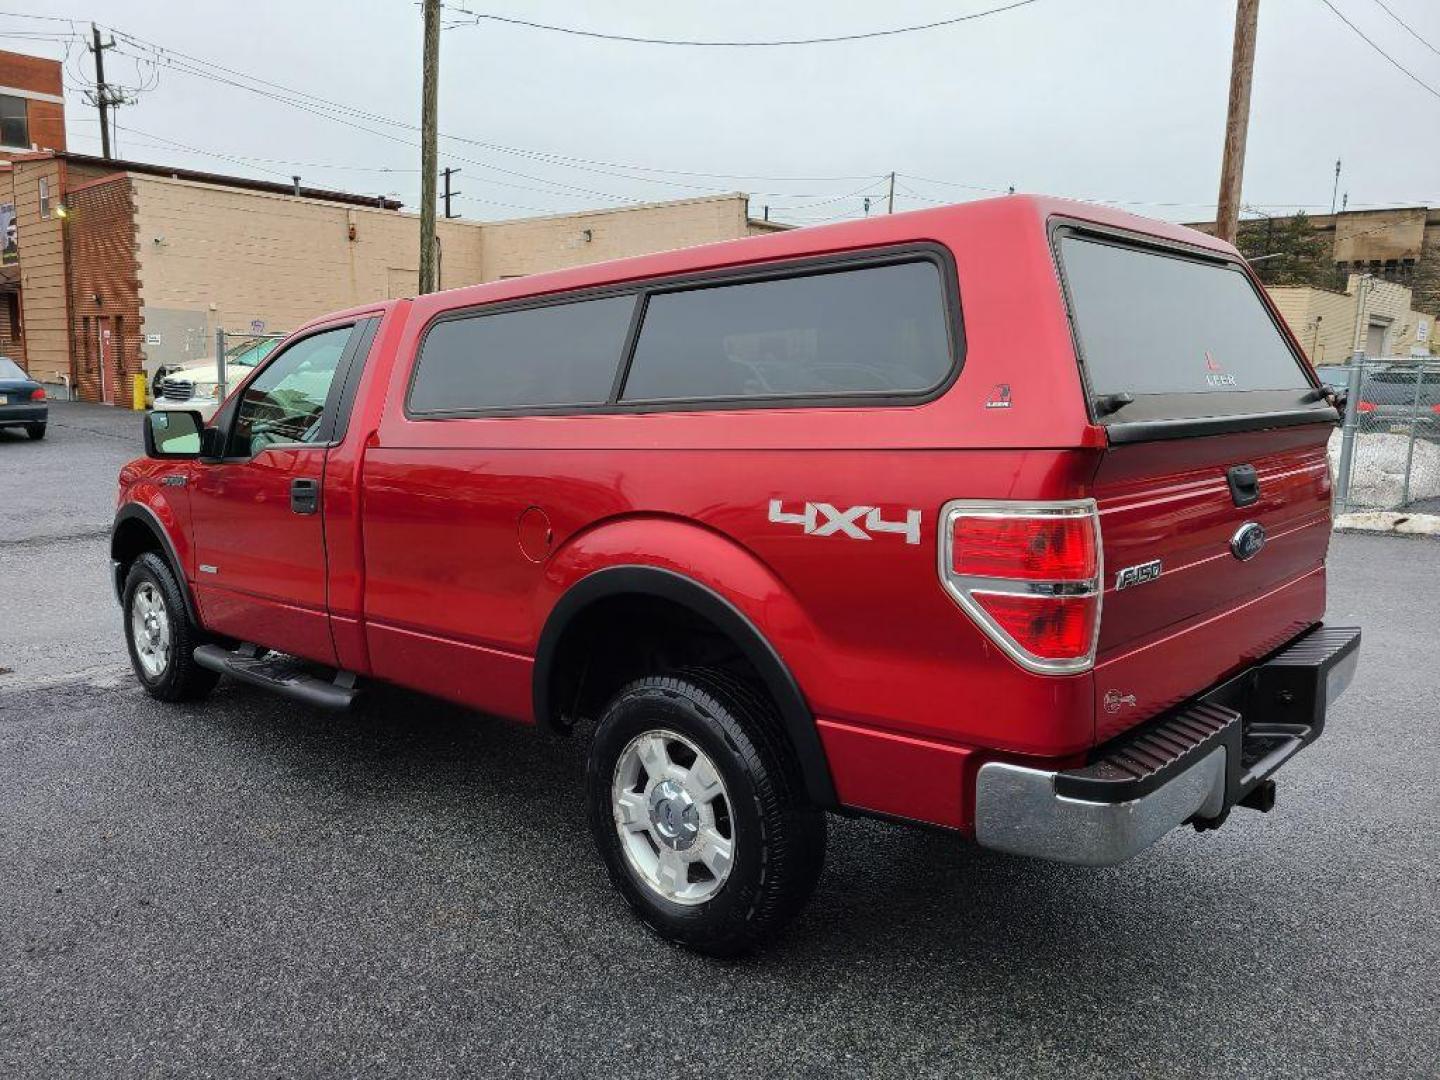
pixel 1190 765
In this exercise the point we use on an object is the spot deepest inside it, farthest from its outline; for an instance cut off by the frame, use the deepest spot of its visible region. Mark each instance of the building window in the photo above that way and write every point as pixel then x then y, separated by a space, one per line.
pixel 44 196
pixel 14 126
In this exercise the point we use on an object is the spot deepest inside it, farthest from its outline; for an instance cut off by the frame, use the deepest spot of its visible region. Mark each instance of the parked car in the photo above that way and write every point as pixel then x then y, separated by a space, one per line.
pixel 22 400
pixel 1335 376
pixel 906 517
pixel 1392 398
pixel 197 386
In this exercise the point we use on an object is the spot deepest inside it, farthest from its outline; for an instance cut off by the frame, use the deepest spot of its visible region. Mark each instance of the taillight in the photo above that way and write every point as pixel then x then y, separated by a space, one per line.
pixel 1365 406
pixel 1435 408
pixel 1029 574
pixel 39 394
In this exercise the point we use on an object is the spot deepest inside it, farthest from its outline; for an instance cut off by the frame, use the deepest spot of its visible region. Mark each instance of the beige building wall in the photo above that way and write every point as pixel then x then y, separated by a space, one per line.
pixel 1389 305
pixel 212 256
pixel 215 257
pixel 1324 322
pixel 535 245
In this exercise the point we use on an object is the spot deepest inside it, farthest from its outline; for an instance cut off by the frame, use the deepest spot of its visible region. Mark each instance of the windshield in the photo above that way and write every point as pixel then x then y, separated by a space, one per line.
pixel 250 353
pixel 11 370
pixel 1155 323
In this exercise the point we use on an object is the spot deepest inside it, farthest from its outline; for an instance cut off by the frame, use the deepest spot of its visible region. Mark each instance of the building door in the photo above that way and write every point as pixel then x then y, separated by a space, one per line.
pixel 1375 335
pixel 104 346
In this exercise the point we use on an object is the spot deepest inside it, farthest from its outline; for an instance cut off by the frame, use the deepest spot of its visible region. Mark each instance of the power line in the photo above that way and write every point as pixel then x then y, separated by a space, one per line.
pixel 248 159
pixel 635 40
pixel 1393 62
pixel 566 160
pixel 1407 27
pixel 323 110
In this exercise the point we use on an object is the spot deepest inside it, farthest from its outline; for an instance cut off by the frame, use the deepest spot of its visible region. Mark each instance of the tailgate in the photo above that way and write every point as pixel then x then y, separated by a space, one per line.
pixel 1167 633
pixel 1214 490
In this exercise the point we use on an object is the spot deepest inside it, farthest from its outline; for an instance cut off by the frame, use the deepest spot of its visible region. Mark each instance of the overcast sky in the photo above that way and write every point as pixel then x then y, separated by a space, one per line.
pixel 1116 100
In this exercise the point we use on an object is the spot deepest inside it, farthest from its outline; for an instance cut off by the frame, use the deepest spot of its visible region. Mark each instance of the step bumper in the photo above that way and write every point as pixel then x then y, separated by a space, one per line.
pixel 1192 764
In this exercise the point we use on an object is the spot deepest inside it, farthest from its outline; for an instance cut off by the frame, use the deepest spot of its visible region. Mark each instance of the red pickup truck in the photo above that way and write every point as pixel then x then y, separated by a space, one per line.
pixel 1009 518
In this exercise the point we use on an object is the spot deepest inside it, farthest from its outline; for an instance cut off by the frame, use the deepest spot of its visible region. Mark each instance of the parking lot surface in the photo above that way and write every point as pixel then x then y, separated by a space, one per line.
pixel 252 888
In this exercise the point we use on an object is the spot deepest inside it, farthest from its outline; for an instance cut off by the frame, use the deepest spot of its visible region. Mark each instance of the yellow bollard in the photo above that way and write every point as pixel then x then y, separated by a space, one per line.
pixel 137 400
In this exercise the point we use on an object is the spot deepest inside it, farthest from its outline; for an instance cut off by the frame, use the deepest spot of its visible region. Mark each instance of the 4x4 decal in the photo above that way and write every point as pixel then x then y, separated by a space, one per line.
pixel 857 522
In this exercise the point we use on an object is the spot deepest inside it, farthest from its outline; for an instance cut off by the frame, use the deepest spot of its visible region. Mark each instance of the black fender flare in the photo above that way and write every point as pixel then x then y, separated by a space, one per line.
pixel 795 714
pixel 140 512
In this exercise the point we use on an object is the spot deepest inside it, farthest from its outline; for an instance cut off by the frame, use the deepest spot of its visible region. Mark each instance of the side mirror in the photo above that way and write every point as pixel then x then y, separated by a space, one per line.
pixel 173 434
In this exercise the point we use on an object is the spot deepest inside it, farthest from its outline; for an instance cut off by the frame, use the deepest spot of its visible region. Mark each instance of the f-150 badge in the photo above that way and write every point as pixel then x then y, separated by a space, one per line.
pixel 857 522
pixel 1137 575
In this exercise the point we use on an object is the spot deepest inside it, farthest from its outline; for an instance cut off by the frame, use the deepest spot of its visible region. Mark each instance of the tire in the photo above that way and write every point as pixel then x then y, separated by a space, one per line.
pixel 776 839
pixel 168 674
pixel 36 431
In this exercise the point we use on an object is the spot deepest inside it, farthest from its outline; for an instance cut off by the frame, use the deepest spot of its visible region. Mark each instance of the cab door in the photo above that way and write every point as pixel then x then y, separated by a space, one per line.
pixel 259 534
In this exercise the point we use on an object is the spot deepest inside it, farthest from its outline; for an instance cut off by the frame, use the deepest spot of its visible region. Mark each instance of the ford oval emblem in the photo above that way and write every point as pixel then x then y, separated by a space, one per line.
pixel 1247 541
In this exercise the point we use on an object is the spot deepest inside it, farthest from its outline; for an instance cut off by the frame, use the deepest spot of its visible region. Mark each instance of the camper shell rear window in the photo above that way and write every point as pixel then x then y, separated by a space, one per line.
pixel 1170 334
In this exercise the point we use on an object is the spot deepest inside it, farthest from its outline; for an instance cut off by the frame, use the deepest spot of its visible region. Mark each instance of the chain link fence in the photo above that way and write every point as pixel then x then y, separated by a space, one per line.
pixel 1387 452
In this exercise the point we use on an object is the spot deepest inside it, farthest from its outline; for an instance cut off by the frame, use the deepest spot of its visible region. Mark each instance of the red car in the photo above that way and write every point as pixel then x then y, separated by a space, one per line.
pixel 1009 518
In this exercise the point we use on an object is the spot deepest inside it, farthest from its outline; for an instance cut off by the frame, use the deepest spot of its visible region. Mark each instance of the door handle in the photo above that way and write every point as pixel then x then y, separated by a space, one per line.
pixel 304 495
pixel 1244 484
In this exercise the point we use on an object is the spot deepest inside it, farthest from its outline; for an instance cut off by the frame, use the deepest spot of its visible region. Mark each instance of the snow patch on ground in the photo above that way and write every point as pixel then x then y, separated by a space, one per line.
pixel 1377 471
pixel 1390 521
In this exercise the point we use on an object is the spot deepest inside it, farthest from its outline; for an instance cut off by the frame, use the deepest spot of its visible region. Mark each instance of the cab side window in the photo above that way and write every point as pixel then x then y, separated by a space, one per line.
pixel 286 402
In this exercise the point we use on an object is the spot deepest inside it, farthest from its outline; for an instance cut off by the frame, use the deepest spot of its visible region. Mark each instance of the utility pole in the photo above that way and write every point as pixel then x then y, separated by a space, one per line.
pixel 448 172
pixel 890 199
pixel 1237 121
pixel 1336 189
pixel 102 99
pixel 429 122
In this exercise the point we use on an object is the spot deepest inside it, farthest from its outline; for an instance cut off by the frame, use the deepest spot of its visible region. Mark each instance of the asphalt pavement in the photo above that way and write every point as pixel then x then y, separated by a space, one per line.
pixel 251 888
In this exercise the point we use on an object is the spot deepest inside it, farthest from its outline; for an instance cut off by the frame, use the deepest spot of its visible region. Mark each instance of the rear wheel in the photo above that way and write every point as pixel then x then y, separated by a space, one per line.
pixel 36 431
pixel 698 810
pixel 160 634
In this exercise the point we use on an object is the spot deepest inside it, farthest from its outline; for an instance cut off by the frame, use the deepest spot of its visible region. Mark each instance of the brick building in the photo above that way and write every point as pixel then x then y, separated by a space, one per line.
pixel 1399 245
pixel 32 116
pixel 1377 317
pixel 126 266
pixel 32 104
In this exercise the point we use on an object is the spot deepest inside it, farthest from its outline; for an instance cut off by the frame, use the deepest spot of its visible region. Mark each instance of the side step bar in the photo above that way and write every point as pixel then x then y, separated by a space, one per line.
pixel 282 674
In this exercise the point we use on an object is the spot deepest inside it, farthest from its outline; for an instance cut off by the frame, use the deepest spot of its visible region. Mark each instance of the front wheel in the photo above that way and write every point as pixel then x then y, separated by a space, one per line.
pixel 160 634
pixel 697 806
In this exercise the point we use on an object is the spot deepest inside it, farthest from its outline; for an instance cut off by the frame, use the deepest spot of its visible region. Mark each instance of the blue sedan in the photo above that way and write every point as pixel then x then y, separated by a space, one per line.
pixel 22 400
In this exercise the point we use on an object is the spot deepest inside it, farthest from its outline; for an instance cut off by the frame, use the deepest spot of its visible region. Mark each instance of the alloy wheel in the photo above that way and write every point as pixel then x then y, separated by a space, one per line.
pixel 673 814
pixel 150 629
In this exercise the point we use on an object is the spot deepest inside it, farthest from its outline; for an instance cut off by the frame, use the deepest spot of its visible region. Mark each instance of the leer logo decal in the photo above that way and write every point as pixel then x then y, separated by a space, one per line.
pixel 857 522
pixel 1215 373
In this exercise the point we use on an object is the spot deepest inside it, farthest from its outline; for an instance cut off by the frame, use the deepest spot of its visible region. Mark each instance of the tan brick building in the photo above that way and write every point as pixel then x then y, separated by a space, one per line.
pixel 1378 319
pixel 32 116
pixel 125 266
pixel 1399 245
